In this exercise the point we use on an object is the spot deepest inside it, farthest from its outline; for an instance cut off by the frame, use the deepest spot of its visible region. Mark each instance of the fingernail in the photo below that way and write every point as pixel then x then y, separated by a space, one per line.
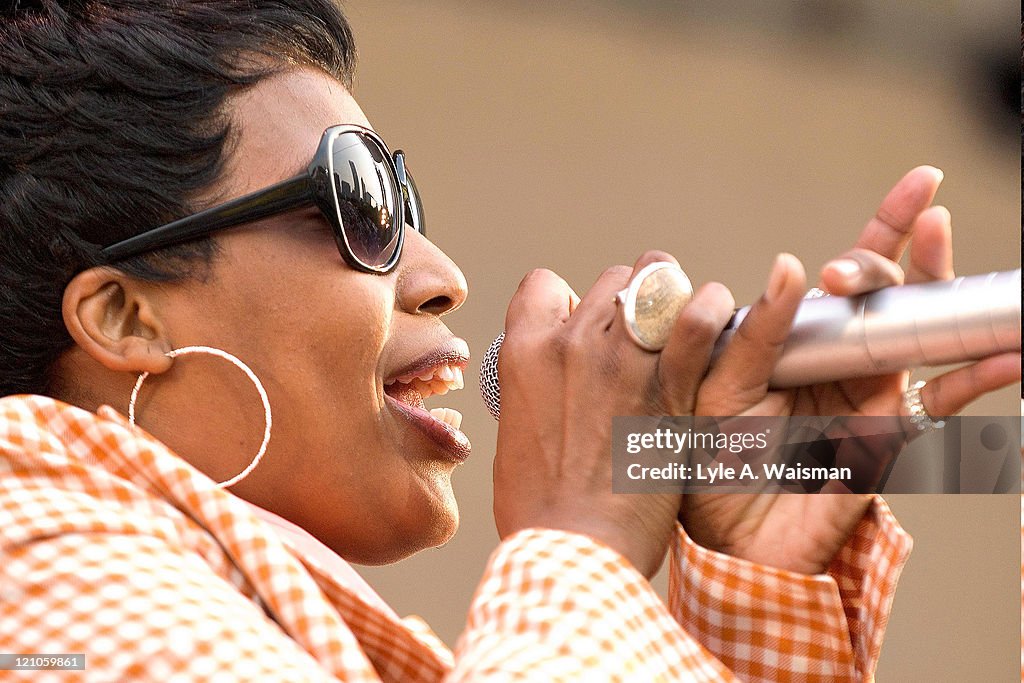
pixel 939 175
pixel 777 279
pixel 848 268
pixel 947 217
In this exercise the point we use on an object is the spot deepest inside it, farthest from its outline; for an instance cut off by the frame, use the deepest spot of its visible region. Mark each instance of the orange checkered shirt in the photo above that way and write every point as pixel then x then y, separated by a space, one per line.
pixel 112 546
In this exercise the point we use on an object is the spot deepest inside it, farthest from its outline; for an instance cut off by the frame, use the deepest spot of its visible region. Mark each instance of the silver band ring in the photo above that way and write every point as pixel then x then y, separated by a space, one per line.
pixel 815 293
pixel 916 412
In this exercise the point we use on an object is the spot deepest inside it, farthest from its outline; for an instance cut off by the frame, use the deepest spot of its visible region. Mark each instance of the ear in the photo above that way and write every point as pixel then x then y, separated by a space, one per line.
pixel 115 320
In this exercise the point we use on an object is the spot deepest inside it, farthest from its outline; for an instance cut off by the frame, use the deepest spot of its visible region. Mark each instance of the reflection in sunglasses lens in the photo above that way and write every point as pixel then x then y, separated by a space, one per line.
pixel 366 190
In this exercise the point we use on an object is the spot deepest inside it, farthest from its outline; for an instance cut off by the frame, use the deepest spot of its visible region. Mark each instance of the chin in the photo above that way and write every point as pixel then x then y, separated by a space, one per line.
pixel 398 548
pixel 402 534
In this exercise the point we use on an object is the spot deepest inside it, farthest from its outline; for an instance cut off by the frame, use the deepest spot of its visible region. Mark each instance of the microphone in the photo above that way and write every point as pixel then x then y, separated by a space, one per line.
pixel 891 329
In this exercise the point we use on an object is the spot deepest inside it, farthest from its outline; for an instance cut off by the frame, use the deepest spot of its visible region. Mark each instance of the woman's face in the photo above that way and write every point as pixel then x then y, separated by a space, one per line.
pixel 360 469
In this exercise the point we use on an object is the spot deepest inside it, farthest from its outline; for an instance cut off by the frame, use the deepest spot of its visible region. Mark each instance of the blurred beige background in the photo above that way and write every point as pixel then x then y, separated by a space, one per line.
pixel 575 135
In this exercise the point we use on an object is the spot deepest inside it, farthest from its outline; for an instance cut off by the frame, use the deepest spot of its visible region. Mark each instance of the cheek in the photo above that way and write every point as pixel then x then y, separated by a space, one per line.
pixel 310 309
pixel 331 338
pixel 311 327
pixel 341 349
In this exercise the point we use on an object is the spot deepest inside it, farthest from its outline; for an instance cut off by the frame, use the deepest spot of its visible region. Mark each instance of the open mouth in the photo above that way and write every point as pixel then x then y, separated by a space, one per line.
pixel 434 374
pixel 411 389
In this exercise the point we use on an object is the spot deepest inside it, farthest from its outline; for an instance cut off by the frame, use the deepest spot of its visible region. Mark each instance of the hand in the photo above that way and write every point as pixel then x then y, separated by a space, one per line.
pixel 563 378
pixel 803 532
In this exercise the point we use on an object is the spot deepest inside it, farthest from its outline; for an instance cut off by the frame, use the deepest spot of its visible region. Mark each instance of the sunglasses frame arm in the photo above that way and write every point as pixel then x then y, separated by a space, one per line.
pixel 283 196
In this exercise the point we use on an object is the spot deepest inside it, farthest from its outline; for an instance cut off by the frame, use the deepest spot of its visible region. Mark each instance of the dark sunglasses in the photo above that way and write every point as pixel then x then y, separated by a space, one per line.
pixel 365 193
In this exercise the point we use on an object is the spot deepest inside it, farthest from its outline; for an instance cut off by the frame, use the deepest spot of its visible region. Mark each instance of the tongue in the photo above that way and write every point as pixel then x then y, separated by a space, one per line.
pixel 406 394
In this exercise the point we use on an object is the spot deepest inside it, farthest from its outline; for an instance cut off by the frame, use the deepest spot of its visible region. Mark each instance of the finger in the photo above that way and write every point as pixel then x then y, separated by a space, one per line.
pixel 744 368
pixel 889 232
pixel 931 251
pixel 597 307
pixel 947 394
pixel 685 359
pixel 858 271
pixel 542 301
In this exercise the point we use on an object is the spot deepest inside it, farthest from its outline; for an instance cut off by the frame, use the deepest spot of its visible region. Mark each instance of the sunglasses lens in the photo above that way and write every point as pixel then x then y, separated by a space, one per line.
pixel 366 193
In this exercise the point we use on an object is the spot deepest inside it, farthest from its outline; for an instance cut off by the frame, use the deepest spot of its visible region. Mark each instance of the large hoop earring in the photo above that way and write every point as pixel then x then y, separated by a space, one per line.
pixel 185 350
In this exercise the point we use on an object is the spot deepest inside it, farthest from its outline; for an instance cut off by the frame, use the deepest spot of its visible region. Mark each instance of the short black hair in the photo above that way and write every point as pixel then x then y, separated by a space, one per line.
pixel 111 122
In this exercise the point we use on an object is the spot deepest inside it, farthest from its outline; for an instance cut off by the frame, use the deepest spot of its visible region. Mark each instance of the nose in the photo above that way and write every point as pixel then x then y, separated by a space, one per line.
pixel 428 281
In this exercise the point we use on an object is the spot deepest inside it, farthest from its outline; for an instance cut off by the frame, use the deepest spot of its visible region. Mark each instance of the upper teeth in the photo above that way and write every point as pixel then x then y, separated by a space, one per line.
pixel 437 380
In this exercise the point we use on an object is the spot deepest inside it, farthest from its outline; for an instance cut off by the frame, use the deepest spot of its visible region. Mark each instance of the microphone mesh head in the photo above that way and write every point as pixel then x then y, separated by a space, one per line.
pixel 490 390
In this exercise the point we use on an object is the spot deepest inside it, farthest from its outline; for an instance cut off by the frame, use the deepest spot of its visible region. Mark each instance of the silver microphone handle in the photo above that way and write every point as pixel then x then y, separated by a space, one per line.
pixel 892 329
pixel 896 328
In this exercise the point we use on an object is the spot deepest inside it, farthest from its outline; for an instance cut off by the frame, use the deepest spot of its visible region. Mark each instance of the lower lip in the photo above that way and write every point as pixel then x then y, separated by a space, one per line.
pixel 451 440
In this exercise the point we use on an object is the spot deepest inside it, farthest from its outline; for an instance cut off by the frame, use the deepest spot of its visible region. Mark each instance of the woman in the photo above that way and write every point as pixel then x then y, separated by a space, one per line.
pixel 123 120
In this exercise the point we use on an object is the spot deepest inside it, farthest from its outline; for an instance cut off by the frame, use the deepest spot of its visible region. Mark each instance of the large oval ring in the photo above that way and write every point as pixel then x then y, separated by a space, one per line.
pixel 652 301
